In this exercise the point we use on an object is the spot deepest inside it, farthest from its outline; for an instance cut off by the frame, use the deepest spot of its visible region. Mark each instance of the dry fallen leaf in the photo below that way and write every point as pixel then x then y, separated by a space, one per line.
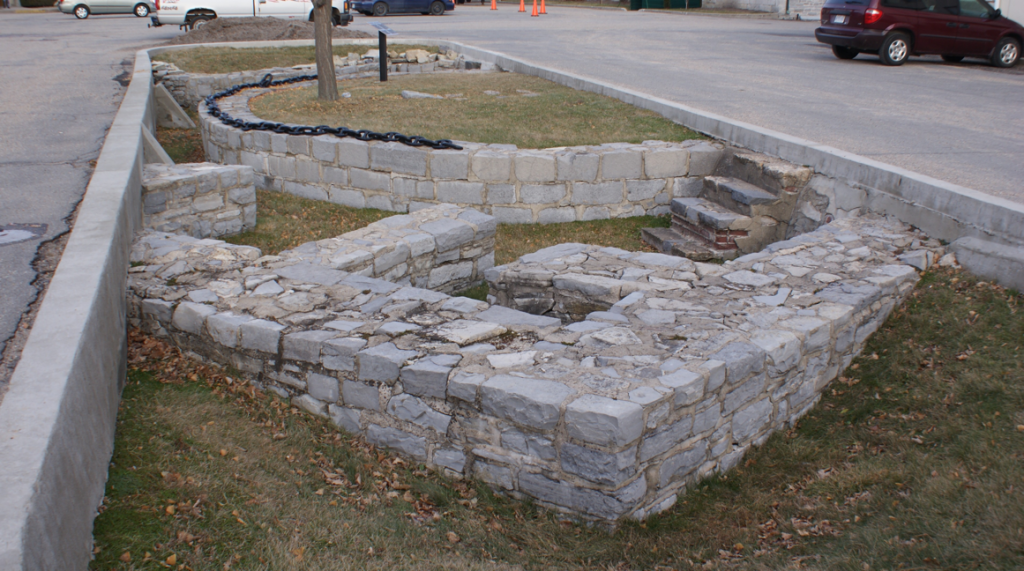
pixel 170 510
pixel 298 553
pixel 172 559
pixel 453 537
pixel 126 557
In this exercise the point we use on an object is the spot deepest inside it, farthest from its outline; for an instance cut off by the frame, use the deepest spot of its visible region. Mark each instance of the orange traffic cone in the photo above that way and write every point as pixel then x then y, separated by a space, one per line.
pixel 543 10
pixel 534 8
pixel 494 4
pixel 522 5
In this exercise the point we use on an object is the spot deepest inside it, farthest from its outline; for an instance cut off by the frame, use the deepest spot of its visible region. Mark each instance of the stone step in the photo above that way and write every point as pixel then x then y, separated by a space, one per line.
pixel 672 242
pixel 770 172
pixel 702 212
pixel 736 195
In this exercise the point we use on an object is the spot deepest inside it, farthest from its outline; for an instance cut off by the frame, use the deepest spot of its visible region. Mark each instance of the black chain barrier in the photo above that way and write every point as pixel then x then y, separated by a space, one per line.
pixel 362 134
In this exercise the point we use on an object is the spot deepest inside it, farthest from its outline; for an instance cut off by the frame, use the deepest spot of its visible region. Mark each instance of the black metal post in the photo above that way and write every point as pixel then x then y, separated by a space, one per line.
pixel 382 42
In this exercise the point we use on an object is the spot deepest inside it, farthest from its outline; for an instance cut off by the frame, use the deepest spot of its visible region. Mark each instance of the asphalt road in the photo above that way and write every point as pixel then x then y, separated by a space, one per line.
pixel 961 123
pixel 59 93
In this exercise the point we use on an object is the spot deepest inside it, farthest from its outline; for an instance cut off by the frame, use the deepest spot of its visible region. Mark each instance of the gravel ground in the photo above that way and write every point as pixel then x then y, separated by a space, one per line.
pixel 257 29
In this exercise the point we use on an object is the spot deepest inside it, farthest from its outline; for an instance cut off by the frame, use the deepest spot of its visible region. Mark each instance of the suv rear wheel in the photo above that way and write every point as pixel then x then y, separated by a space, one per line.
pixel 1007 53
pixel 843 52
pixel 895 49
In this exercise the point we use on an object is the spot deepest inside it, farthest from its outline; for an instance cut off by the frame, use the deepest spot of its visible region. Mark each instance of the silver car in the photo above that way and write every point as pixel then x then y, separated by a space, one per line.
pixel 82 8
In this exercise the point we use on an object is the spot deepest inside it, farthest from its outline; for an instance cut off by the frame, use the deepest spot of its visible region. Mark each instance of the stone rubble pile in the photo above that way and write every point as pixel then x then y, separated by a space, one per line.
pixel 631 376
pixel 444 59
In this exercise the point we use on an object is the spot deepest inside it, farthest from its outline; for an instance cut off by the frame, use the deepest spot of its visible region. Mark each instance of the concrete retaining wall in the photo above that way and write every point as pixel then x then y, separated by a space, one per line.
pixel 57 419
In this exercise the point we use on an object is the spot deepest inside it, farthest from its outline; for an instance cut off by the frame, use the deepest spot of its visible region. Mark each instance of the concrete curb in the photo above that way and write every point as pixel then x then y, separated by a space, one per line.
pixel 57 419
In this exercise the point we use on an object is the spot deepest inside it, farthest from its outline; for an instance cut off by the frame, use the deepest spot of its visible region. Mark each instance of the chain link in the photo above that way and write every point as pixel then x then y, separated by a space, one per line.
pixel 362 134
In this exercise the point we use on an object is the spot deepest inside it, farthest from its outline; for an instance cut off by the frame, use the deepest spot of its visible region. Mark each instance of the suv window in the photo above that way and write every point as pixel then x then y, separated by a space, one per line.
pixel 942 6
pixel 904 4
pixel 975 8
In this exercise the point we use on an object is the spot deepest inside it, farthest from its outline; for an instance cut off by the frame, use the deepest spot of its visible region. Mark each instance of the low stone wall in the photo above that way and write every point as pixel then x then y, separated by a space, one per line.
pixel 676 370
pixel 202 200
pixel 514 185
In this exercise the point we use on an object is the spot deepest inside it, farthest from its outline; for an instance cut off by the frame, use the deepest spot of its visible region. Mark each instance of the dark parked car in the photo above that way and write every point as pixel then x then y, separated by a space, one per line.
pixel 897 29
pixel 383 7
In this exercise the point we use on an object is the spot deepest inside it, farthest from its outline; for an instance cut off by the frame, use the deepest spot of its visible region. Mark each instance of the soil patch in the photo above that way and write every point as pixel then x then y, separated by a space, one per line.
pixel 257 29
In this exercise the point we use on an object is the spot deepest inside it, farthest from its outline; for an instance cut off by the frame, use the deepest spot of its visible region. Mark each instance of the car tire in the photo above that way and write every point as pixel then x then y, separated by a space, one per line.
pixel 380 9
pixel 81 11
pixel 1007 53
pixel 141 10
pixel 843 52
pixel 895 49
pixel 437 8
pixel 953 59
pixel 199 21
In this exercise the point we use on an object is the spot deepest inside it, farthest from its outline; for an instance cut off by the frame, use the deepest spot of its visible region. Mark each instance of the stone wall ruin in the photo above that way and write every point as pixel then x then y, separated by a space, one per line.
pixel 644 373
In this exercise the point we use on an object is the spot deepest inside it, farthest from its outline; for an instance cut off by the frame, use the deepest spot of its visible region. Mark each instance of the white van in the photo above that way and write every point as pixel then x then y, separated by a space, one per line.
pixel 194 13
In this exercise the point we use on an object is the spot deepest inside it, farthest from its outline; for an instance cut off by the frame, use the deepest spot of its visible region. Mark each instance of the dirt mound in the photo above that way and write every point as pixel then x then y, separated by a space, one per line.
pixel 257 29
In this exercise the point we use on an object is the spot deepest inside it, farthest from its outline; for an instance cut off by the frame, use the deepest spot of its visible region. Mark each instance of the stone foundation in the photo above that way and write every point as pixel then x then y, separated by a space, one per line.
pixel 201 200
pixel 635 375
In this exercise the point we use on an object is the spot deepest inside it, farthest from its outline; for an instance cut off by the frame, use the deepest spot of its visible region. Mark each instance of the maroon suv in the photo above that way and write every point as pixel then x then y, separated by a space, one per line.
pixel 897 29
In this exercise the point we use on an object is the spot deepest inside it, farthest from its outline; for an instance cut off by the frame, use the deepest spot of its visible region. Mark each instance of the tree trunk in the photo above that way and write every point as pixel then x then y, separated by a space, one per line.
pixel 327 83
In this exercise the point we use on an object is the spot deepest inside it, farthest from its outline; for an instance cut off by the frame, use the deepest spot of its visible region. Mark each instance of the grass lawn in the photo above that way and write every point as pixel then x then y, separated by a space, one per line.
pixel 914 459
pixel 527 111
pixel 284 221
pixel 226 60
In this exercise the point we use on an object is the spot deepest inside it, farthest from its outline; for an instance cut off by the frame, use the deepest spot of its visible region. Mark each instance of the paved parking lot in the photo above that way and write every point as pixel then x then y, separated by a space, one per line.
pixel 959 123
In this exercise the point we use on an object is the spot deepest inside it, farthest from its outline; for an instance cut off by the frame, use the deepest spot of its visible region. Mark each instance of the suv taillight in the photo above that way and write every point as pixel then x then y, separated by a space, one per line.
pixel 872 15
pixel 824 16
pixel 157 4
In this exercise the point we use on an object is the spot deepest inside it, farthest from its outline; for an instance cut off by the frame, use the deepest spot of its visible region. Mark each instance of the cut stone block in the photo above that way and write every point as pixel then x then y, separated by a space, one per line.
pixel 428 377
pixel 604 421
pixel 415 446
pixel 530 402
pixel 382 363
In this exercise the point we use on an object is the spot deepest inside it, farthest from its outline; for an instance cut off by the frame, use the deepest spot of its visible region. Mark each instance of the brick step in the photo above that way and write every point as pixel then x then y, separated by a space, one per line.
pixel 672 242
pixel 702 212
pixel 736 195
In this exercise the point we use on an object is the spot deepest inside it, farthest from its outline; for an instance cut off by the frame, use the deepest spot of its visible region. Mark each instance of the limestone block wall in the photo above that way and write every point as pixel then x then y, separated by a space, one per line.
pixel 514 185
pixel 202 200
pixel 443 249
pixel 672 373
